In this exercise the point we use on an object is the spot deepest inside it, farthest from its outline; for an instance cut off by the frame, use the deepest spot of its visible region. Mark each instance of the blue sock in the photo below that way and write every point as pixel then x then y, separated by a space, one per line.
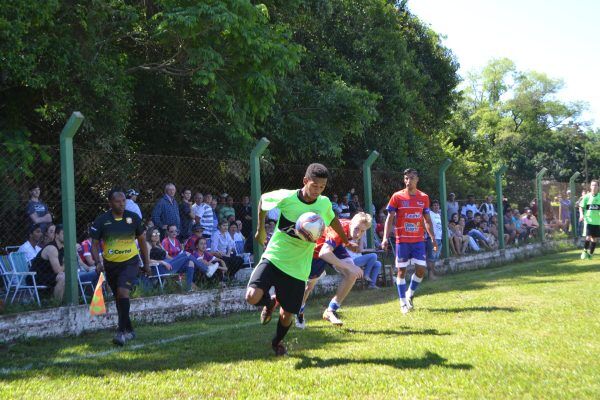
pixel 401 285
pixel 414 282
pixel 333 306
pixel 302 309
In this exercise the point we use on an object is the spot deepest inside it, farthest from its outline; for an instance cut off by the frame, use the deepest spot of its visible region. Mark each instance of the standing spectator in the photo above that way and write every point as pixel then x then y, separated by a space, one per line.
pixel 170 243
pixel 354 205
pixel 31 247
pixel 469 206
pixel 244 214
pixel 564 206
pixel 223 247
pixel 207 216
pixel 227 211
pixel 335 204
pixel 433 255
pixel 186 215
pixel 165 211
pixel 118 230
pixel 345 208
pixel 49 265
pixel 37 210
pixel 215 218
pixel 197 207
pixel 487 208
pixel 130 202
pixel 452 206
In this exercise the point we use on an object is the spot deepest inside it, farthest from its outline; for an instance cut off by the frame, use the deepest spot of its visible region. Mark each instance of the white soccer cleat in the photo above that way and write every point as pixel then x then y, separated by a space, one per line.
pixel 300 321
pixel 331 316
pixel 211 270
pixel 404 308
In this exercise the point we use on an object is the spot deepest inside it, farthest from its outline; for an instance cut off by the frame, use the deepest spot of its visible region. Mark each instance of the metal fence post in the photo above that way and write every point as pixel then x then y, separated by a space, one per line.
pixel 67 184
pixel 255 191
pixel 573 208
pixel 368 191
pixel 540 203
pixel 500 206
pixel 444 208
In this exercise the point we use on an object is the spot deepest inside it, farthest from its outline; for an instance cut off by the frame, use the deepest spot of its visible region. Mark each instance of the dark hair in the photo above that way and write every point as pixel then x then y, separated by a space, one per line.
pixel 113 191
pixel 33 227
pixel 477 214
pixel 34 185
pixel 411 171
pixel 170 225
pixel 232 223
pixel 271 220
pixel 198 241
pixel 184 189
pixel 58 228
pixel 435 202
pixel 316 170
pixel 470 211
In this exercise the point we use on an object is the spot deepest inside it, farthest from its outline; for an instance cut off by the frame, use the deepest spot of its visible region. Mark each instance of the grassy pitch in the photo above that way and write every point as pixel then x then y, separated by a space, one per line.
pixel 523 331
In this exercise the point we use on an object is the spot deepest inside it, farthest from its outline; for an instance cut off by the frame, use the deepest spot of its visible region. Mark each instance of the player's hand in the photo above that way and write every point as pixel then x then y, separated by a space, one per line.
pixel 355 272
pixel 99 268
pixel 384 244
pixel 353 247
pixel 260 236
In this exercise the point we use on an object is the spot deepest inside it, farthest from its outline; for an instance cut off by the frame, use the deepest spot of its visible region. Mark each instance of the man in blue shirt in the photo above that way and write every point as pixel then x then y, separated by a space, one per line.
pixel 166 211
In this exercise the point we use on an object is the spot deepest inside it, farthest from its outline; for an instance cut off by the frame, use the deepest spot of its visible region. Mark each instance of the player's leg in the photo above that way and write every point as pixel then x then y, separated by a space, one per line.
pixel 594 234
pixel 402 261
pixel 418 257
pixel 310 285
pixel 257 292
pixel 342 291
pixel 126 275
pixel 290 292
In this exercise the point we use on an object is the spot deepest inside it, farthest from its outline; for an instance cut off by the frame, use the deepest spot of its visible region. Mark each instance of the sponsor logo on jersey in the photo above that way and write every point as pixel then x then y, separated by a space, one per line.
pixel 128 220
pixel 117 252
pixel 413 216
pixel 420 203
pixel 405 203
pixel 410 227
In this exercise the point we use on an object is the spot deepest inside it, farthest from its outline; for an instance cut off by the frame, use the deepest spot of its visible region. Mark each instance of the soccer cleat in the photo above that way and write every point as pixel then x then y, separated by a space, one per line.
pixel 404 308
pixel 119 339
pixel 300 321
pixel 211 270
pixel 332 316
pixel 584 255
pixel 279 349
pixel 409 301
pixel 267 312
pixel 129 335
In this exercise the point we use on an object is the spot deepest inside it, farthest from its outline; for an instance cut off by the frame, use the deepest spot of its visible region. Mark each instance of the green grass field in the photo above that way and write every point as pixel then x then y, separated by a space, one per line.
pixel 523 331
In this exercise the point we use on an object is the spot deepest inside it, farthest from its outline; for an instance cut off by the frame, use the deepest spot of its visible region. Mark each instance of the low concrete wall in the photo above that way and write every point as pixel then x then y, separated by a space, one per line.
pixel 75 320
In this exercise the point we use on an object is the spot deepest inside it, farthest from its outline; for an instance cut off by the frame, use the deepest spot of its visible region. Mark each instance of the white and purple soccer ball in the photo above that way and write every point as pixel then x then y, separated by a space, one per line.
pixel 310 227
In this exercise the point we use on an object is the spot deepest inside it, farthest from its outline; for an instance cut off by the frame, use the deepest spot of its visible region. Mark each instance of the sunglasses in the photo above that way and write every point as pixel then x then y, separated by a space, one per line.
pixel 155 234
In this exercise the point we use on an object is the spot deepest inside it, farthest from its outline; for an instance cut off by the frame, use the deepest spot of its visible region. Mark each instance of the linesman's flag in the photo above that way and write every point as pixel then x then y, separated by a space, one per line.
pixel 97 306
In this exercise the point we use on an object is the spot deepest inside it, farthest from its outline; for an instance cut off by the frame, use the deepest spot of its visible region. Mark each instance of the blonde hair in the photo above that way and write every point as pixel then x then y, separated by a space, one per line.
pixel 363 218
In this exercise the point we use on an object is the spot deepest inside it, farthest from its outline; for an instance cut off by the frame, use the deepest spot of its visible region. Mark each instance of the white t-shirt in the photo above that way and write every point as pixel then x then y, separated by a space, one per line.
pixel 467 207
pixel 29 250
pixel 131 205
pixel 436 221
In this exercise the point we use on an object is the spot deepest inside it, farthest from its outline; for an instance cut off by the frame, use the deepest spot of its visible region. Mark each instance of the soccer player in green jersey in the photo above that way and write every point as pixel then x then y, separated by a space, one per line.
pixel 286 262
pixel 589 210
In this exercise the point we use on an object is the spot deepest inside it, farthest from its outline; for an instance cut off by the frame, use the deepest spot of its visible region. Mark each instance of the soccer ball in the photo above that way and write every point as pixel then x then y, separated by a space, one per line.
pixel 310 226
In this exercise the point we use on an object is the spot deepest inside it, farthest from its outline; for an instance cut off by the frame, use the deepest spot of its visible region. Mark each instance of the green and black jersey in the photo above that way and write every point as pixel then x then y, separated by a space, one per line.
pixel 117 235
pixel 591 208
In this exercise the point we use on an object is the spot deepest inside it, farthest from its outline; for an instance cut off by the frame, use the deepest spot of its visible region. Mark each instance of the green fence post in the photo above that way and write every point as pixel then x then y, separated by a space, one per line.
pixel 368 187
pixel 260 147
pixel 573 209
pixel 444 209
pixel 500 207
pixel 67 185
pixel 540 204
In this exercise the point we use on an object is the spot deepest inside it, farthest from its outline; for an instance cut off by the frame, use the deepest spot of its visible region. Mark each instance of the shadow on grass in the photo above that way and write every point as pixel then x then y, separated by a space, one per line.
pixel 473 309
pixel 429 360
pixel 392 332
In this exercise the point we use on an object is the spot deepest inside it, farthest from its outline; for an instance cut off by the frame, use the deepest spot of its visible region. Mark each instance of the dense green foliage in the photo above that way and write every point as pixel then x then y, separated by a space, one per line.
pixel 324 80
pixel 501 333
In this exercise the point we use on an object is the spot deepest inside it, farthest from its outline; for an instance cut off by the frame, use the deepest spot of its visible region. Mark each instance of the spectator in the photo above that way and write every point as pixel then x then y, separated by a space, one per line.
pixel 350 194
pixel 490 239
pixel 215 219
pixel 37 210
pixel 227 211
pixel 165 211
pixel 85 250
pixel 564 206
pixel 130 202
pixel 344 208
pixel 487 208
pixel 472 229
pixel 470 215
pixel 197 233
pixel 244 214
pixel 493 228
pixel 197 207
pixel 186 215
pixel 461 241
pixel 273 214
pixel 208 259
pixel 170 243
pixel 380 225
pixel 269 229
pixel 530 223
pixel 432 255
pixel 469 205
pixel 49 265
pixel 359 226
pixel 30 247
pixel 354 205
pixel 234 233
pixel 222 202
pixel 521 232
pixel 335 204
pixel 223 247
pixel 207 216
pixel 87 273
pixel 452 206
pixel 49 235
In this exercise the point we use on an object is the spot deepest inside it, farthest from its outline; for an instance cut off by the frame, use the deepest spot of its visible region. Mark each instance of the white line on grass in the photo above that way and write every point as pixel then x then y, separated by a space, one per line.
pixel 134 347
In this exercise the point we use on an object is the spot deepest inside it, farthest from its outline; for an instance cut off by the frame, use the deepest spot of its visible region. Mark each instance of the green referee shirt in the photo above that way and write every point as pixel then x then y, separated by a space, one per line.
pixel 591 208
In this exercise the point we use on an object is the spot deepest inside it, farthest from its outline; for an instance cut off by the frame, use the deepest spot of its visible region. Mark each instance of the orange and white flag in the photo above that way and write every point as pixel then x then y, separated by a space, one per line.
pixel 97 306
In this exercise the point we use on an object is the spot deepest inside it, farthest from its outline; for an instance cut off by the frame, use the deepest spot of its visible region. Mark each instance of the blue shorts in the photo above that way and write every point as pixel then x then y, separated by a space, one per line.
pixel 433 255
pixel 318 266
pixel 410 252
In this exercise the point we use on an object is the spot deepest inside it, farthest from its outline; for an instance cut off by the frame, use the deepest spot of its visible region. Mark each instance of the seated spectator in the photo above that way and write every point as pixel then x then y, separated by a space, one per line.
pixel 470 205
pixel 461 241
pixel 335 204
pixel 530 223
pixel 223 247
pixel 31 247
pixel 361 223
pixel 186 215
pixel 493 228
pixel 269 229
pixel 469 217
pixel 208 259
pixel 472 229
pixel 521 231
pixel 87 273
pixel 171 244
pixel 489 238
pixel 452 206
pixel 130 202
pixel 197 233
pixel 234 233
pixel 85 250
pixel 379 228
pixel 48 235
pixel 49 265
pixel 453 218
pixel 509 227
pixel 36 210
pixel 345 208
pixel 227 210
pixel 487 208
pixel 354 205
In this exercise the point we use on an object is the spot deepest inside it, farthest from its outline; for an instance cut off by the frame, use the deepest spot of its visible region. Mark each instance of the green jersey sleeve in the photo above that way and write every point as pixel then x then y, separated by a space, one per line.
pixel 272 199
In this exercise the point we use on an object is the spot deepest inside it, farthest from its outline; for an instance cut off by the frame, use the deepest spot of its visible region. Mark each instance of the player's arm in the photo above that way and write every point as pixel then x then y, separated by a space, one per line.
pixel 326 254
pixel 337 227
pixel 96 255
pixel 261 234
pixel 144 251
pixel 429 230
pixel 389 220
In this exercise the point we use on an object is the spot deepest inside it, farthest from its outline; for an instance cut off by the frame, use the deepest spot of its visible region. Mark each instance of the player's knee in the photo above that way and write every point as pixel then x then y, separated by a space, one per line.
pixel 252 296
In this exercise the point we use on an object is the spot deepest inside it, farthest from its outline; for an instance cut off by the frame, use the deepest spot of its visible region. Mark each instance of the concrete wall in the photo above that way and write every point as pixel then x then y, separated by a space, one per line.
pixel 75 320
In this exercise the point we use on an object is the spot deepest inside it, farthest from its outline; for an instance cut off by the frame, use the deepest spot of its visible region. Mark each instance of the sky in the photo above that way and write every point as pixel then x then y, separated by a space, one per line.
pixel 559 38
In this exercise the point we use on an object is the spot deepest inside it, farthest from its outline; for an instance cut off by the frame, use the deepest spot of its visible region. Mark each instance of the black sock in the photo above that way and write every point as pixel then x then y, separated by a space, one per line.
pixel 281 332
pixel 265 300
pixel 123 309
pixel 586 245
pixel 592 247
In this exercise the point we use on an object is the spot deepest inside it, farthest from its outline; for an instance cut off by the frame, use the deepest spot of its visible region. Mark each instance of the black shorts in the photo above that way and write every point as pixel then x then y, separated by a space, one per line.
pixel 122 274
pixel 289 290
pixel 592 230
